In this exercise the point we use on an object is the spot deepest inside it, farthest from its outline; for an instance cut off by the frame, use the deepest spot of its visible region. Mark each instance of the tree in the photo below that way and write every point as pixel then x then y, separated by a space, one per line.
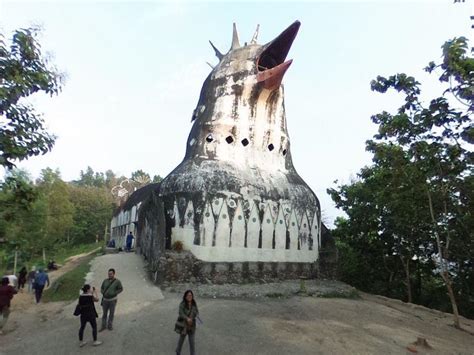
pixel 23 72
pixel 60 210
pixel 424 201
pixel 93 208
pixel 157 178
pixel 91 178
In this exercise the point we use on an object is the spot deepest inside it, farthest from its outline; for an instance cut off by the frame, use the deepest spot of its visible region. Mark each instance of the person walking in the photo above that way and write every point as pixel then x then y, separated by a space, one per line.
pixel 6 295
pixel 88 313
pixel 41 279
pixel 186 323
pixel 31 278
pixel 22 278
pixel 110 289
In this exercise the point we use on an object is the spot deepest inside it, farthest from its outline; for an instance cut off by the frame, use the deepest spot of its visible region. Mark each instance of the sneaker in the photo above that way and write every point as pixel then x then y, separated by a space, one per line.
pixel 82 343
pixel 110 328
pixel 102 329
pixel 97 343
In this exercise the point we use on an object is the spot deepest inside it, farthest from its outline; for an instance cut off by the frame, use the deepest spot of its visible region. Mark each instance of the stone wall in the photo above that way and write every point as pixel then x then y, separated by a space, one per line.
pixel 178 267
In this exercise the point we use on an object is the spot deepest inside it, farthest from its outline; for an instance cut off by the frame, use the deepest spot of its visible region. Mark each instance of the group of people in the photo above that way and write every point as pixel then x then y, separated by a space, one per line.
pixel 128 242
pixel 37 280
pixel 110 289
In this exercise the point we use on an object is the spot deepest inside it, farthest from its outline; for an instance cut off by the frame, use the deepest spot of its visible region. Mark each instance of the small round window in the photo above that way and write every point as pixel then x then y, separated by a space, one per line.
pixel 271 147
pixel 209 138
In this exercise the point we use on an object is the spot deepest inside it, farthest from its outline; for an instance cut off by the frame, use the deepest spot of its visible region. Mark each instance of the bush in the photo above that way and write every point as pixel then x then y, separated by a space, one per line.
pixel 178 246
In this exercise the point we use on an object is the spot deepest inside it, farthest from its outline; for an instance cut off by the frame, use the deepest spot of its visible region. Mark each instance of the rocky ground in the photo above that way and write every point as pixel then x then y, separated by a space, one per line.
pixel 240 319
pixel 286 289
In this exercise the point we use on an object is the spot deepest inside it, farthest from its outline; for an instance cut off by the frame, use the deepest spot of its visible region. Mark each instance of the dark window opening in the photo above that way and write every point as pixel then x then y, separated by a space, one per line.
pixel 209 138
pixel 245 142
pixel 284 152
pixel 229 139
pixel 271 147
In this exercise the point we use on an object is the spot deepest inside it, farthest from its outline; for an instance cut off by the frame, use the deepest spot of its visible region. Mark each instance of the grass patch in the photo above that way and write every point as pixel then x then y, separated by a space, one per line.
pixel 351 294
pixel 60 254
pixel 67 287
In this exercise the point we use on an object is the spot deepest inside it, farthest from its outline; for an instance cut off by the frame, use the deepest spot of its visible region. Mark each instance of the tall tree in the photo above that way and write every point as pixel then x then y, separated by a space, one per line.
pixel 60 210
pixel 423 151
pixel 23 72
pixel 93 208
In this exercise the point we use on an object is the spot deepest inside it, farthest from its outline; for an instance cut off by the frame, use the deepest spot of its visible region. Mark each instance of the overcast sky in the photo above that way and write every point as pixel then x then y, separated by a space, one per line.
pixel 135 69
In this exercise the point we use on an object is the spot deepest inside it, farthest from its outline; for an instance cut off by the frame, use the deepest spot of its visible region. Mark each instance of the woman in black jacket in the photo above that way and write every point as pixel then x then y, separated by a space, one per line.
pixel 186 323
pixel 88 313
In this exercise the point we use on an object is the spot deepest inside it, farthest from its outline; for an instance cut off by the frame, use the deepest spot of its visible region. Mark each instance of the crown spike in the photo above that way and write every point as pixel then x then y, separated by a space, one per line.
pixel 218 53
pixel 235 38
pixel 255 36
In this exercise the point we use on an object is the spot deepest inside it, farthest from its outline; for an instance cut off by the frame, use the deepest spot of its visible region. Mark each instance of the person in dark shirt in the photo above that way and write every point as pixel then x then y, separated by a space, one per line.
pixel 22 278
pixel 129 241
pixel 31 278
pixel 41 280
pixel 6 294
pixel 186 323
pixel 88 313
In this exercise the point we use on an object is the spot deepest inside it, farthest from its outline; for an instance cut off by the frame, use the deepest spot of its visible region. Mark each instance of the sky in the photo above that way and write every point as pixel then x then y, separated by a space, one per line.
pixel 134 70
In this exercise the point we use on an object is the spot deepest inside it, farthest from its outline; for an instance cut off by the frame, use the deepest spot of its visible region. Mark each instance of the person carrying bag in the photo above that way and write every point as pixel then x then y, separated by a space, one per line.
pixel 186 323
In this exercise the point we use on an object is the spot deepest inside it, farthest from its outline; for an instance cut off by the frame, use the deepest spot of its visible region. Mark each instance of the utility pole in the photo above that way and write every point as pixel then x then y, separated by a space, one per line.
pixel 16 260
pixel 105 233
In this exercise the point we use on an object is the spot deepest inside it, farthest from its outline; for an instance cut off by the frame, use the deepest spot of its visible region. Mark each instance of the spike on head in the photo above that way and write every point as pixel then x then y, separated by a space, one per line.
pixel 235 38
pixel 218 53
pixel 255 36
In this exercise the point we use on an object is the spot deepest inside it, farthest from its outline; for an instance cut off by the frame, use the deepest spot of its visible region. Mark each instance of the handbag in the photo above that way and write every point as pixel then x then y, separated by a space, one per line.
pixel 77 310
pixel 180 326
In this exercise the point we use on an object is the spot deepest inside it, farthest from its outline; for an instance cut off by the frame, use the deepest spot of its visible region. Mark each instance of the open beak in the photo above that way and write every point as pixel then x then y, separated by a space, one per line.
pixel 271 63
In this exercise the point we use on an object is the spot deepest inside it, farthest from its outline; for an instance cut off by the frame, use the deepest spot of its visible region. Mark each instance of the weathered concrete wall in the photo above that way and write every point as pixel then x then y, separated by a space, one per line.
pixel 184 267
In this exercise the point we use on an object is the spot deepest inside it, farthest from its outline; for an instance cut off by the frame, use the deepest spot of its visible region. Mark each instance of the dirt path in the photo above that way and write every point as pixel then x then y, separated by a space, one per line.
pixel 296 325
pixel 25 301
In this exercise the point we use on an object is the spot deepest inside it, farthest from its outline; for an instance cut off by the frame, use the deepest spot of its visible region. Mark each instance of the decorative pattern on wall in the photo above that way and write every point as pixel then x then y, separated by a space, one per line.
pixel 236 223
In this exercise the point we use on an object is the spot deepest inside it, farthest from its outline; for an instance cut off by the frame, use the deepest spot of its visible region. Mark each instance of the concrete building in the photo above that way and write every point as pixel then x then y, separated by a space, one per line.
pixel 235 202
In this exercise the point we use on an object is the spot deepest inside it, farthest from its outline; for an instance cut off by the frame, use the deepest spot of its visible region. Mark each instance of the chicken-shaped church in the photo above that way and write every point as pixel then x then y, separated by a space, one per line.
pixel 235 202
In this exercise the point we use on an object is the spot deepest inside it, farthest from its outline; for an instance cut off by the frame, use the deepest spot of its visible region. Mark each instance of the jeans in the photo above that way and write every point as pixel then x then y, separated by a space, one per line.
pixel 4 313
pixel 191 343
pixel 38 292
pixel 108 307
pixel 93 323
pixel 30 285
